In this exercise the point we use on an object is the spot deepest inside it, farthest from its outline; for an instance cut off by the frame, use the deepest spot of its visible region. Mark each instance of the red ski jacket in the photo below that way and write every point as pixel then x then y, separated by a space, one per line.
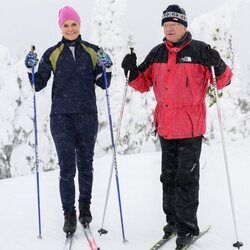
pixel 180 78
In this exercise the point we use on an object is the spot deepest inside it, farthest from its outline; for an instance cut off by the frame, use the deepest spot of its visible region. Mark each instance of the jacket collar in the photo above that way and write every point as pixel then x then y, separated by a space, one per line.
pixel 187 38
pixel 72 43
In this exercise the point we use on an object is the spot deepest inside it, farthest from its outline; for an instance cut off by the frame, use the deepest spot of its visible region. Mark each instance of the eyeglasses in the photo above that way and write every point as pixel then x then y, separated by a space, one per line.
pixel 171 24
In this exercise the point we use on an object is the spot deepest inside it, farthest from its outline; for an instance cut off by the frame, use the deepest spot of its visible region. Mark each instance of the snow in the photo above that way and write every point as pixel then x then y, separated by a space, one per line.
pixel 141 203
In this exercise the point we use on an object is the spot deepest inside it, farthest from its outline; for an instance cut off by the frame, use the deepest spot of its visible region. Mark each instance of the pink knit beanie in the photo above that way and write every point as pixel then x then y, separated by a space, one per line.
pixel 68 13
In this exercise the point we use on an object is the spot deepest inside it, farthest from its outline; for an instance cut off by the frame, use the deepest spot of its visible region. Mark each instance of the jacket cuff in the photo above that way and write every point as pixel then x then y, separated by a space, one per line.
pixel 219 70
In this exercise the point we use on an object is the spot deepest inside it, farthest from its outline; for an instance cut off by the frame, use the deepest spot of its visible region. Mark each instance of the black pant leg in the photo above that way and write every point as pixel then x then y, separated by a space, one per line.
pixel 169 167
pixel 187 185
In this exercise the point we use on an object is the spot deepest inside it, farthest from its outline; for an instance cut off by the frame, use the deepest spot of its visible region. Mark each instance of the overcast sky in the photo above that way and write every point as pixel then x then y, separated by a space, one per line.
pixel 27 22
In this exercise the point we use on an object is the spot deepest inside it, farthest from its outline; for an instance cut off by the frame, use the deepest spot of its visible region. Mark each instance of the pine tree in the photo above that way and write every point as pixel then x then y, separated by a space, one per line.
pixel 108 34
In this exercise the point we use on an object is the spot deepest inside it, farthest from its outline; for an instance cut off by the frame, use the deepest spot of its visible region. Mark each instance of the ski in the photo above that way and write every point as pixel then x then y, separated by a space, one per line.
pixel 195 238
pixel 161 242
pixel 68 242
pixel 90 237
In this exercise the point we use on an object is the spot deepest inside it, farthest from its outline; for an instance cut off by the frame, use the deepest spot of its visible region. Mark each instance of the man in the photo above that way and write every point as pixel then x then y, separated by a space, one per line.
pixel 179 70
pixel 76 67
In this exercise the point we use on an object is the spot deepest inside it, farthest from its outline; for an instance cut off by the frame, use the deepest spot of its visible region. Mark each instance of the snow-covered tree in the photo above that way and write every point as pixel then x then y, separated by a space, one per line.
pixel 218 32
pixel 137 123
pixel 16 116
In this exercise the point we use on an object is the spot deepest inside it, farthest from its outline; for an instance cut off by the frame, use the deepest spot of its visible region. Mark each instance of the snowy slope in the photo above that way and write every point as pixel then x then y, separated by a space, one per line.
pixel 141 200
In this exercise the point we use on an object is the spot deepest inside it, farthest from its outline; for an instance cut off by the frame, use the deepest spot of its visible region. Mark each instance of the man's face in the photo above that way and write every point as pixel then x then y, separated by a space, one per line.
pixel 174 31
pixel 70 29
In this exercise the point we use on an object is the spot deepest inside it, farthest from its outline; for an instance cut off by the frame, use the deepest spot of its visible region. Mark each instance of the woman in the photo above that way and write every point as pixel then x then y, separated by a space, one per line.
pixel 77 67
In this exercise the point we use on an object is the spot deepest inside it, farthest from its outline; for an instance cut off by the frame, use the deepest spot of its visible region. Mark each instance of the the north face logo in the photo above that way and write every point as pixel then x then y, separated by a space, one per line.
pixel 186 59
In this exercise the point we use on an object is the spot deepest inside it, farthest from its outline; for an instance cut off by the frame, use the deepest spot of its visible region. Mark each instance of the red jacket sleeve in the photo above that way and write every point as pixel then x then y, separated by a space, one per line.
pixel 224 79
pixel 143 82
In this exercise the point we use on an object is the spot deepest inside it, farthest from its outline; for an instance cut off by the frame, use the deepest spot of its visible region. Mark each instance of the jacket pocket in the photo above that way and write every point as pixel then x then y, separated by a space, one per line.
pixel 156 117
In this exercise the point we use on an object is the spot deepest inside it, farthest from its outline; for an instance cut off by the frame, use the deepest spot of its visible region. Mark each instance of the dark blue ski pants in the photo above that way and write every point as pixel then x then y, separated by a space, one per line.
pixel 74 136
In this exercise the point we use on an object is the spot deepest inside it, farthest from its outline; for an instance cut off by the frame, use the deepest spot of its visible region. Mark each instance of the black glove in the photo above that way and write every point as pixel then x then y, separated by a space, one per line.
pixel 129 63
pixel 211 57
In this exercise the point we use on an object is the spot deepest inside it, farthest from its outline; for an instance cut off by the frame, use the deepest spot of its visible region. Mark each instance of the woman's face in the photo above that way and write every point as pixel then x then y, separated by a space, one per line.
pixel 70 29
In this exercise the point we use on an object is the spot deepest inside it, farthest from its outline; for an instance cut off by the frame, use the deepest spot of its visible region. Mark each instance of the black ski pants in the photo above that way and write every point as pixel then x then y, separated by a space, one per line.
pixel 180 182
pixel 74 136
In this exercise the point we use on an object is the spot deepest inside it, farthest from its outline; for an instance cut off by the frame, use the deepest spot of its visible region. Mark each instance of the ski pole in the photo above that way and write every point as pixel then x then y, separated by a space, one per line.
pixel 237 243
pixel 114 150
pixel 36 147
pixel 117 138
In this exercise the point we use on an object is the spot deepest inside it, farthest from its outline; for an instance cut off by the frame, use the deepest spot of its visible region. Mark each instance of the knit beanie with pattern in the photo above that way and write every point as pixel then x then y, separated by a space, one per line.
pixel 174 13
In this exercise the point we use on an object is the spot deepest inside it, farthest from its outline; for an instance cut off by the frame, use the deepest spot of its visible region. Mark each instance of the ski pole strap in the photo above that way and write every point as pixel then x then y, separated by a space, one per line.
pixel 32 50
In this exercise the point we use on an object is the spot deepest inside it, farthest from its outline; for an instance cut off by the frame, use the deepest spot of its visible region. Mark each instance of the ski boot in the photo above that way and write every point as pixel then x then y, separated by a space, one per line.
pixel 183 240
pixel 169 230
pixel 85 216
pixel 69 224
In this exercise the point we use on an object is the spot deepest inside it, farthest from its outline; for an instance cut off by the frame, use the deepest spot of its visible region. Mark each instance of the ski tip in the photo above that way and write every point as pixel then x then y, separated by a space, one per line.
pixel 102 231
pixel 207 228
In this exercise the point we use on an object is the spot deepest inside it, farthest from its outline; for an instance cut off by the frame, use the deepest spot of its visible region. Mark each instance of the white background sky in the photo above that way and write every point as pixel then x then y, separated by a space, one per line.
pixel 22 19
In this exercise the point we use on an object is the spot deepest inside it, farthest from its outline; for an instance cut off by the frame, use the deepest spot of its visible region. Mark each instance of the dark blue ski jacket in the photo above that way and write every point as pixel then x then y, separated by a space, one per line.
pixel 75 76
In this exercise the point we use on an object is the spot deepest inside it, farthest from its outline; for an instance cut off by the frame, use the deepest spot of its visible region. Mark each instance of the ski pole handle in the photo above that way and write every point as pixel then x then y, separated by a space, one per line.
pixel 32 49
pixel 128 74
pixel 214 77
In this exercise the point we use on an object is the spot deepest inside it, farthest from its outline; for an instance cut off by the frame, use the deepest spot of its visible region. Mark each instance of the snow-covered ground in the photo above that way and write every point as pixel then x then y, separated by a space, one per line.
pixel 141 201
